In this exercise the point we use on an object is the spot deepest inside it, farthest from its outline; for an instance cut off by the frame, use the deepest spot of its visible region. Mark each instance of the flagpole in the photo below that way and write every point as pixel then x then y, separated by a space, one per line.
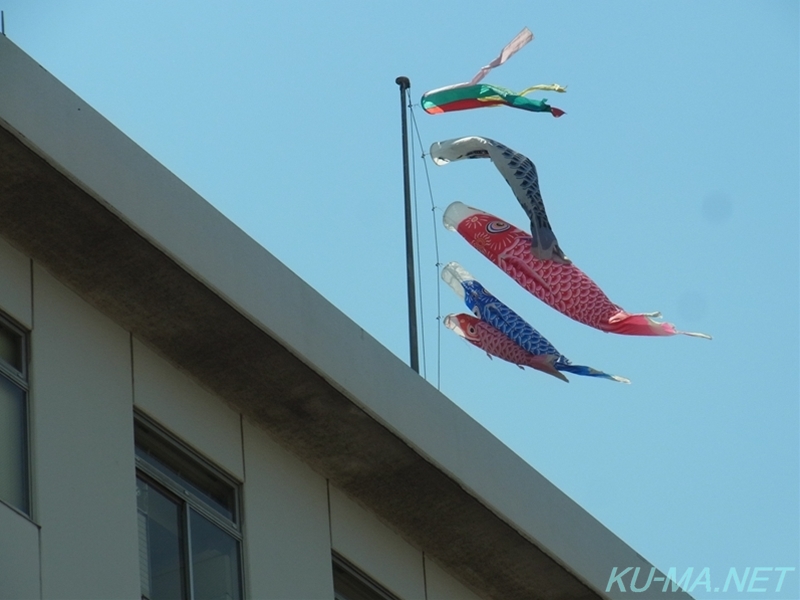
pixel 405 84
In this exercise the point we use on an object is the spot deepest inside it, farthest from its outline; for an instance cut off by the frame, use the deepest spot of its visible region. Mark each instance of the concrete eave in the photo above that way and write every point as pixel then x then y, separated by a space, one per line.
pixel 105 218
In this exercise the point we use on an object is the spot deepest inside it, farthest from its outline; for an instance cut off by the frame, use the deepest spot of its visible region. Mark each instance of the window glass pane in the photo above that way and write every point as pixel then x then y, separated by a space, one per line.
pixel 191 476
pixel 349 584
pixel 10 347
pixel 215 561
pixel 13 446
pixel 161 563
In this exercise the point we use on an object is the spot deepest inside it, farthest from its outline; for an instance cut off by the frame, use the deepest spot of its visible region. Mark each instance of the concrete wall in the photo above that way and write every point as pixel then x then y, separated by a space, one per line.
pixel 19 556
pixel 15 284
pixel 288 550
pixel 82 442
pixel 87 377
pixel 441 586
pixel 187 410
pixel 362 539
pixel 366 542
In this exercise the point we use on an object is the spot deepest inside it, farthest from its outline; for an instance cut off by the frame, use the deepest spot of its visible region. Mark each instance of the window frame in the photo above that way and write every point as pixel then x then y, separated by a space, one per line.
pixel 20 378
pixel 190 501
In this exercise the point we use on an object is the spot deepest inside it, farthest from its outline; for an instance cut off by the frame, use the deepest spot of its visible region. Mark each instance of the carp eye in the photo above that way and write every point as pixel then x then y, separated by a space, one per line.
pixel 476 311
pixel 471 329
pixel 497 226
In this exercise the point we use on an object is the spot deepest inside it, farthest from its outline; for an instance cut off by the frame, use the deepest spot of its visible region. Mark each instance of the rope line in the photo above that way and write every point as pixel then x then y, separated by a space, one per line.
pixel 436 247
pixel 420 298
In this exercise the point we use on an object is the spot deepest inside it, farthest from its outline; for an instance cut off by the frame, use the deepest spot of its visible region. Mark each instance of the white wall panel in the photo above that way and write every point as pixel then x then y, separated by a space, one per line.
pixel 19 556
pixel 83 459
pixel 287 534
pixel 441 586
pixel 373 547
pixel 195 415
pixel 15 284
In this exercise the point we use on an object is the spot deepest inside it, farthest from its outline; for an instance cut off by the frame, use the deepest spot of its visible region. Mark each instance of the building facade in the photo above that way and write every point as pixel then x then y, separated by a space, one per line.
pixel 182 417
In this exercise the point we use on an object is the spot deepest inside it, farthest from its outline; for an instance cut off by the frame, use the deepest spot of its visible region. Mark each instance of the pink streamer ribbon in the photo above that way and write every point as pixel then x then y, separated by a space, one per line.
pixel 514 46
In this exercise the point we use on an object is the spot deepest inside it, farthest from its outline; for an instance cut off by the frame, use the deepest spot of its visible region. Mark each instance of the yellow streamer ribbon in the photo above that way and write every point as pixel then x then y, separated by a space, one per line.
pixel 548 87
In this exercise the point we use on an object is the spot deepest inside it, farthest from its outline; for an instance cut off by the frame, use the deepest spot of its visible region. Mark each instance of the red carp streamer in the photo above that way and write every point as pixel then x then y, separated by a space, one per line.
pixel 496 343
pixel 563 286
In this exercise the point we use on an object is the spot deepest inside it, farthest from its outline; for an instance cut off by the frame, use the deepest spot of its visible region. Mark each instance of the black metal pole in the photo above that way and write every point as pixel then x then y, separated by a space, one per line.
pixel 405 84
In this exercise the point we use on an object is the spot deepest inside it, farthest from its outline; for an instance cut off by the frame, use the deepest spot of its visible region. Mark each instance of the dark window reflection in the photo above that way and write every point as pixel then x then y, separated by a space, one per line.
pixel 215 561
pixel 13 445
pixel 10 347
pixel 162 568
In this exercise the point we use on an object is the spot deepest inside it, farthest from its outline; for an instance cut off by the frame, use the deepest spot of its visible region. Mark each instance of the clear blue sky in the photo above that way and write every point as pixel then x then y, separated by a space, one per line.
pixel 672 181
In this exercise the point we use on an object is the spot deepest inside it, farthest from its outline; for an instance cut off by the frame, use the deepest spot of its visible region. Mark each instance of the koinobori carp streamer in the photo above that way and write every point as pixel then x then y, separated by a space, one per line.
pixel 562 286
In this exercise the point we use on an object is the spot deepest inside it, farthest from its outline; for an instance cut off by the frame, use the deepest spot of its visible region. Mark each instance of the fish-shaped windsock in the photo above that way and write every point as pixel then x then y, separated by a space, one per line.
pixel 473 94
pixel 464 97
pixel 564 287
pixel 488 308
pixel 520 174
pixel 495 343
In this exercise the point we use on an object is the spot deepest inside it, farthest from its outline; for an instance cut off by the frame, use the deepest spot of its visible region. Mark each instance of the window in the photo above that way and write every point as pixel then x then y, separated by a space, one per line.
pixel 189 522
pixel 14 479
pixel 351 584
